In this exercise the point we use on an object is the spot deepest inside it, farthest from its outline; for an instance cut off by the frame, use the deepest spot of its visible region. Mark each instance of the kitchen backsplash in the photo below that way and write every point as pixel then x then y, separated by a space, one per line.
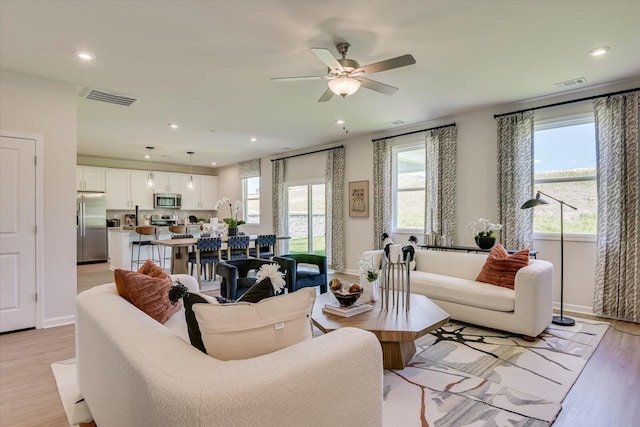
pixel 144 214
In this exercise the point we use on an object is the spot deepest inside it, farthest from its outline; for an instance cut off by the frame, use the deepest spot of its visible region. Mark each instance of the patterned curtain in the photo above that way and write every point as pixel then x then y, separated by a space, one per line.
pixel 440 200
pixel 515 179
pixel 250 169
pixel 617 283
pixel 334 208
pixel 277 196
pixel 382 204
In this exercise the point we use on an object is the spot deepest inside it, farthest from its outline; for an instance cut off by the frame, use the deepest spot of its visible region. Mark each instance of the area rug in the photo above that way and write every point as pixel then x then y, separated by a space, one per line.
pixel 74 405
pixel 465 375
pixel 461 375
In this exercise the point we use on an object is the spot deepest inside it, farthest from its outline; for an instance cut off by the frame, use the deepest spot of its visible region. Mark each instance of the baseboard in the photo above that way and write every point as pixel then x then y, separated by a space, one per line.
pixel 580 309
pixel 59 321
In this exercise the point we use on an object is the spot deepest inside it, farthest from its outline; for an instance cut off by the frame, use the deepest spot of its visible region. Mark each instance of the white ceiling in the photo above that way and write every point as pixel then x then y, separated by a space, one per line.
pixel 206 65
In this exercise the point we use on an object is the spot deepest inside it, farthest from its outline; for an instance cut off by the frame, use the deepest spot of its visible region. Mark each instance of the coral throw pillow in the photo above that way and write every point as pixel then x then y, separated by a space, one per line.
pixel 500 268
pixel 148 292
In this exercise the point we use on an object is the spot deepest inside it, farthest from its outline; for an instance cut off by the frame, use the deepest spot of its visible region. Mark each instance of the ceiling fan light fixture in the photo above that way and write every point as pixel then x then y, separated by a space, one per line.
pixel 344 85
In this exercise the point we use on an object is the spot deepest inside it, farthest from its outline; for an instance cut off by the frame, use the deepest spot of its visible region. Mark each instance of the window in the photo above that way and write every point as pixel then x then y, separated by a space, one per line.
pixel 306 218
pixel 565 168
pixel 409 186
pixel 251 199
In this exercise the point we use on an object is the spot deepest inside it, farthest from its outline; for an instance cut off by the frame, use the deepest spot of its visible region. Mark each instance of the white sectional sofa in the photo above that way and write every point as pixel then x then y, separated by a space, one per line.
pixel 134 371
pixel 448 279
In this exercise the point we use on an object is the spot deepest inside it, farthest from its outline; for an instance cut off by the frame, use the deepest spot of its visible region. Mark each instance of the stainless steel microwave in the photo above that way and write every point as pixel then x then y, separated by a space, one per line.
pixel 167 200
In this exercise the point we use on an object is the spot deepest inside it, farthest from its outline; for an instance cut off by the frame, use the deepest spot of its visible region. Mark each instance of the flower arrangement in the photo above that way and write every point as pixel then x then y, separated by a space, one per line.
pixel 366 269
pixel 234 212
pixel 483 228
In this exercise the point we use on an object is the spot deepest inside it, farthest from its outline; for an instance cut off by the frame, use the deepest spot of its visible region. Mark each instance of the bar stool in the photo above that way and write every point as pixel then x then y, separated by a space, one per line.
pixel 145 230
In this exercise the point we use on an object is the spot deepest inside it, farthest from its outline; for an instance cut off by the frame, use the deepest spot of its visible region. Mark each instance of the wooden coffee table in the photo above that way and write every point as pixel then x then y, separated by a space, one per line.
pixel 396 331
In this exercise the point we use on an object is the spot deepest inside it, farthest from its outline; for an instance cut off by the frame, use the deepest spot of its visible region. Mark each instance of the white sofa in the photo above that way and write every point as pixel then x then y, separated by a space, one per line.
pixel 448 279
pixel 133 371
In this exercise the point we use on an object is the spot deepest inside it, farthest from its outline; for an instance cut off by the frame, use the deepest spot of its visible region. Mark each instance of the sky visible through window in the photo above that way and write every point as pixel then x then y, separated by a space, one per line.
pixel 564 148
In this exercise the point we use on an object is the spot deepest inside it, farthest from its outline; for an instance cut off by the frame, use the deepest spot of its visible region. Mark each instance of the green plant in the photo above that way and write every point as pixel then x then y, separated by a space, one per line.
pixel 483 228
pixel 232 221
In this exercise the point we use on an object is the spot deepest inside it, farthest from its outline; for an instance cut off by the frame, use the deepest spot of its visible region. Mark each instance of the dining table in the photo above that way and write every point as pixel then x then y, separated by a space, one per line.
pixel 180 251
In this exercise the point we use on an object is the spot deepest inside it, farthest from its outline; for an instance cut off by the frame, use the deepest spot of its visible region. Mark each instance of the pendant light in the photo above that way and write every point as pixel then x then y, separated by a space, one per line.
pixel 150 182
pixel 190 185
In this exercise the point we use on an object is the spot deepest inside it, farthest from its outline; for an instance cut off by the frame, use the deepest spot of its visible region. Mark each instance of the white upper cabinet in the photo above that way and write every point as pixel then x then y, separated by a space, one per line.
pixel 128 188
pixel 118 189
pixel 203 195
pixel 90 178
pixel 167 182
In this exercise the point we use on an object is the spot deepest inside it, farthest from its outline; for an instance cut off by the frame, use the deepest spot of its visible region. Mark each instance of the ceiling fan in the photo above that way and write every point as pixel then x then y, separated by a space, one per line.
pixel 345 76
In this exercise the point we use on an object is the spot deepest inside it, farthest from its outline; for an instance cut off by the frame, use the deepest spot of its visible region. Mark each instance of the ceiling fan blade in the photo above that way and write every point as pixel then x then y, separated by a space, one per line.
pixel 327 57
pixel 389 64
pixel 377 86
pixel 327 95
pixel 290 79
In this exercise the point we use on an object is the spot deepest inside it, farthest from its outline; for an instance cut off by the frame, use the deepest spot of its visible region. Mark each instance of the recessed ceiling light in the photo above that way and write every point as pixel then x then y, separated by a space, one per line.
pixel 599 51
pixel 254 139
pixel 340 121
pixel 86 56
pixel 213 163
pixel 146 156
pixel 173 126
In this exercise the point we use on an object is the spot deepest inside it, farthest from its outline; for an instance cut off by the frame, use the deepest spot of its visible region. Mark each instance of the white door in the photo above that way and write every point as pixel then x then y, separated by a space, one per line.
pixel 17 234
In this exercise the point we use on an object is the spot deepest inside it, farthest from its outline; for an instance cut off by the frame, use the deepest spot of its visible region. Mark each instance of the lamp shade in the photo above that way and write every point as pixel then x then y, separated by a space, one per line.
pixel 344 86
pixel 531 203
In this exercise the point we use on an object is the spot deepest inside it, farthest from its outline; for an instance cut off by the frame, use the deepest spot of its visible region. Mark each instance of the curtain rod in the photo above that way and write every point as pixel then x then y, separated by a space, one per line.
pixel 588 98
pixel 411 133
pixel 311 152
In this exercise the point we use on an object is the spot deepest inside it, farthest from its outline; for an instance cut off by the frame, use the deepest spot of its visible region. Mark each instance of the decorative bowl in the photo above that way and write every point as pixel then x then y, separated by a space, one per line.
pixel 347 300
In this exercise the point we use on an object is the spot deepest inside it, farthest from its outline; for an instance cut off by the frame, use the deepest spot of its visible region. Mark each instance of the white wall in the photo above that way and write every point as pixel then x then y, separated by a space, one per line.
pixel 39 106
pixel 476 189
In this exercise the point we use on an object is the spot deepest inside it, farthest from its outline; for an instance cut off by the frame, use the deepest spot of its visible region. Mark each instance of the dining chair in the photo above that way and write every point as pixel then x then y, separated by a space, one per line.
pixel 208 252
pixel 264 246
pixel 143 233
pixel 237 247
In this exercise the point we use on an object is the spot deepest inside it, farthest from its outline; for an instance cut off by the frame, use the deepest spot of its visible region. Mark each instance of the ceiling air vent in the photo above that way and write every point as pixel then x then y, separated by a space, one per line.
pixel 396 123
pixel 571 83
pixel 110 97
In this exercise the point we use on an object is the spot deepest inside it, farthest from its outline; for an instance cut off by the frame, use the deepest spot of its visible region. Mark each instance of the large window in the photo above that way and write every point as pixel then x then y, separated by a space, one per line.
pixel 306 218
pixel 409 186
pixel 251 199
pixel 565 168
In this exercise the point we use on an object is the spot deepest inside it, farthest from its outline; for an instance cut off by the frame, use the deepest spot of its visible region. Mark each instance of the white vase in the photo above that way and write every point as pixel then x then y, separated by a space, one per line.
pixel 371 290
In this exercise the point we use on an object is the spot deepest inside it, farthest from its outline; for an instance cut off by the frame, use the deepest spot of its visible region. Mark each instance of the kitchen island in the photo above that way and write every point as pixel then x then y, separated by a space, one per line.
pixel 120 239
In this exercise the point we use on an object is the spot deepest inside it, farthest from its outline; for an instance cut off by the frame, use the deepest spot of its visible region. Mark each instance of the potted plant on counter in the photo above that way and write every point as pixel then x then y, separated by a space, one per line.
pixel 234 212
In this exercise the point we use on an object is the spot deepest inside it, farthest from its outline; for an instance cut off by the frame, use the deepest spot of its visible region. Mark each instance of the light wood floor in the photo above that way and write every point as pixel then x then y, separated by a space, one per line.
pixel 606 393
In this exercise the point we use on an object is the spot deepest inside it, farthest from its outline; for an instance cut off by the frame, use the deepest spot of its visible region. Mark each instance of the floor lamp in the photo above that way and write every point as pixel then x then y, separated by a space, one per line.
pixel 558 320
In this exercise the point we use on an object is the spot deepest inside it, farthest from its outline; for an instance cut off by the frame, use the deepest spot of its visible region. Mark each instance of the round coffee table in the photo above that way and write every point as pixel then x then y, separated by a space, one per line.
pixel 395 329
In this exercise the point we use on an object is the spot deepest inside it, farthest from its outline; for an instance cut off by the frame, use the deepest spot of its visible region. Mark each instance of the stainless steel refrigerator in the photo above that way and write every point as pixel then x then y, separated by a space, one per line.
pixel 91 224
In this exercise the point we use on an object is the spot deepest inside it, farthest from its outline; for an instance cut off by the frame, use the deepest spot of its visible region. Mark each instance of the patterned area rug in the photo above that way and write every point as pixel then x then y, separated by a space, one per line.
pixel 464 375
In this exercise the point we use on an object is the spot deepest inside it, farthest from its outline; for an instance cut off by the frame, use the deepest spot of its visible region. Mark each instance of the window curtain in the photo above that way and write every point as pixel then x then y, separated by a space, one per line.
pixel 334 209
pixel 382 203
pixel 440 197
pixel 515 179
pixel 250 169
pixel 617 282
pixel 277 196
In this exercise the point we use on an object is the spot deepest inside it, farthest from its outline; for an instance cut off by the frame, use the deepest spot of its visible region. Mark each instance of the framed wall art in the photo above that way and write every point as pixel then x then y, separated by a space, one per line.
pixel 359 199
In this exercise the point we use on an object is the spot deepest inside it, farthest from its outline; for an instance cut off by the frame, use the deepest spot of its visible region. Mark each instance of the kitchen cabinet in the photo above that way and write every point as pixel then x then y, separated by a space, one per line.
pixel 90 178
pixel 168 182
pixel 128 188
pixel 204 194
